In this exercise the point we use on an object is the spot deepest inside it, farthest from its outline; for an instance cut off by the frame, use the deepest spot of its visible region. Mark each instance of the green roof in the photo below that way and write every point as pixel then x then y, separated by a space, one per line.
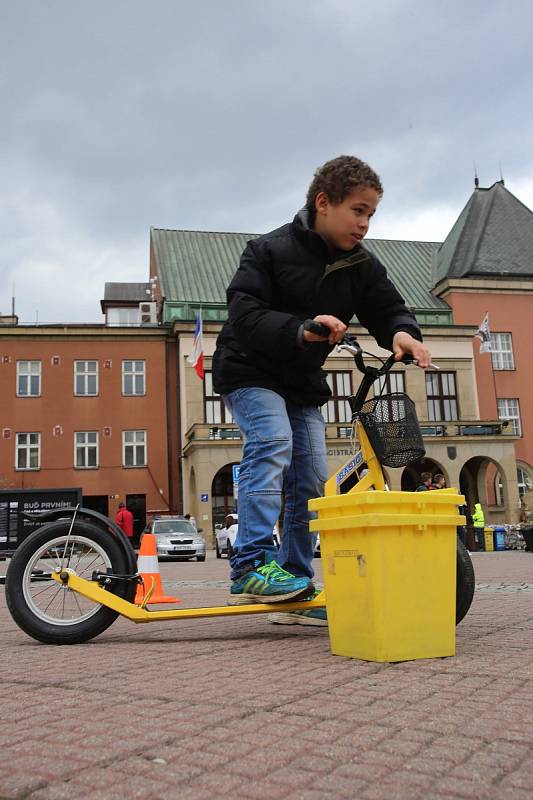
pixel 493 236
pixel 195 267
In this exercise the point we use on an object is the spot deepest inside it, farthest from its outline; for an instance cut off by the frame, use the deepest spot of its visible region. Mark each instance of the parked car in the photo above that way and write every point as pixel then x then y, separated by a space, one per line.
pixel 177 538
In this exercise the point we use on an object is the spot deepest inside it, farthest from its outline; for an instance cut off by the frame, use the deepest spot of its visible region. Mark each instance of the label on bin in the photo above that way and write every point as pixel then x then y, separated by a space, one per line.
pixel 349 467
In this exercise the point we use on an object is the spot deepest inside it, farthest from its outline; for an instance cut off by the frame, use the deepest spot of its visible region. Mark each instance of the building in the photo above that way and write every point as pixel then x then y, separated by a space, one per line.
pixel 86 406
pixel 485 266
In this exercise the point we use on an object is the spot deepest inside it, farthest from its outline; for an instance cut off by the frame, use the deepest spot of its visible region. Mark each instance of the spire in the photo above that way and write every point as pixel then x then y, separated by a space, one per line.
pixel 501 174
pixel 476 179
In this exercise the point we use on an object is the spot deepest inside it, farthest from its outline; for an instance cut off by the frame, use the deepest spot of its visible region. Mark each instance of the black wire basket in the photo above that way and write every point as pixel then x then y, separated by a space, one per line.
pixel 391 424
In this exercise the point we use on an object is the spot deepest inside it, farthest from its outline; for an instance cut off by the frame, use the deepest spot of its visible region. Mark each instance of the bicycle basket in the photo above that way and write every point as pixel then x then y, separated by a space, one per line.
pixel 391 424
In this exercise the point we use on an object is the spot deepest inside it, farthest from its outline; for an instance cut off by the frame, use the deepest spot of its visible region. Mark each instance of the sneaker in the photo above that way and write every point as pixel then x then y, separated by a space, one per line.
pixel 313 616
pixel 269 583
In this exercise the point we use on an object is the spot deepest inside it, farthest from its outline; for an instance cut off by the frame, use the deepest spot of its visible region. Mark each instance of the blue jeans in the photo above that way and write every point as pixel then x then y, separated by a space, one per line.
pixel 284 456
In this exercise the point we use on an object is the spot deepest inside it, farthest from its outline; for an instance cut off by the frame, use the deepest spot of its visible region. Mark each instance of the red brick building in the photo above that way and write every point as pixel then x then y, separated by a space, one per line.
pixel 485 267
pixel 87 406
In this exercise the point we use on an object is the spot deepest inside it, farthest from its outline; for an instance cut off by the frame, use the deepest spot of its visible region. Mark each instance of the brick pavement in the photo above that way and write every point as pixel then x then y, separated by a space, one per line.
pixel 238 707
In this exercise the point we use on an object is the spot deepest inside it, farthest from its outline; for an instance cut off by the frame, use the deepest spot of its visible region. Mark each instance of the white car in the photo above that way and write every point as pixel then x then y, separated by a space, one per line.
pixel 177 538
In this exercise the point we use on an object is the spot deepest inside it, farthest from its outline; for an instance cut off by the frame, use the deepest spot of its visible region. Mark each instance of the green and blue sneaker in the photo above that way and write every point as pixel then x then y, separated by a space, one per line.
pixel 269 583
pixel 311 616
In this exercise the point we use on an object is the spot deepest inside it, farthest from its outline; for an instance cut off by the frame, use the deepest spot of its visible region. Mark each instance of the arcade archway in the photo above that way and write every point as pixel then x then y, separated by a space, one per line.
pixel 223 501
pixel 483 480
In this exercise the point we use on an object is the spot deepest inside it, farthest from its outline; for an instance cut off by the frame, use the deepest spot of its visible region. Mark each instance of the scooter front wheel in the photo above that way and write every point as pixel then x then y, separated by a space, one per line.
pixel 48 610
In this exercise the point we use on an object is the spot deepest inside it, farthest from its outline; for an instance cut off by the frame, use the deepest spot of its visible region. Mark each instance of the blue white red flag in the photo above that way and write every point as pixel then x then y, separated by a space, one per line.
pixel 196 358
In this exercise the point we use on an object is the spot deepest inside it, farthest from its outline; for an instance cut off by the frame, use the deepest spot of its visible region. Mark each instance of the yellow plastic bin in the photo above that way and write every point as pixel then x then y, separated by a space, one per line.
pixel 389 564
pixel 489 540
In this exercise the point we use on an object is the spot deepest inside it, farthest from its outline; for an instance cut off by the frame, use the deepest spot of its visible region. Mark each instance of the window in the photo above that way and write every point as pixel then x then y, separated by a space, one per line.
pixel 123 316
pixel 502 351
pixel 389 384
pixel 86 449
pixel 392 383
pixel 28 378
pixel 28 451
pixel 510 409
pixel 442 396
pixel 525 483
pixel 133 377
pixel 86 378
pixel 134 448
pixel 337 409
pixel 215 411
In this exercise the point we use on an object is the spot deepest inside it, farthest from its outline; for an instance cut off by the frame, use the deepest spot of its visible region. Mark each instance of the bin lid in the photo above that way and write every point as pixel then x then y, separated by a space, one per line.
pixel 390 502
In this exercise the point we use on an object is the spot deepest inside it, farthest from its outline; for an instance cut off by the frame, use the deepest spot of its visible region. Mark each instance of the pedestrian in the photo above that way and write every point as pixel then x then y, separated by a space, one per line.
pixel 461 529
pixel 230 528
pixel 470 533
pixel 268 368
pixel 190 519
pixel 478 519
pixel 439 481
pixel 125 521
pixel 424 483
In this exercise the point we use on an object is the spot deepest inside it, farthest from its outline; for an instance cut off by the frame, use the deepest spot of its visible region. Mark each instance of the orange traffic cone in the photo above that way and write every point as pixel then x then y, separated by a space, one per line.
pixel 151 589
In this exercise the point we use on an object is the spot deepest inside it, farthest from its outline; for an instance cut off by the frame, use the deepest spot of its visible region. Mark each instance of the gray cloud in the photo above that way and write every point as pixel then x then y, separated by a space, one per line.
pixel 122 115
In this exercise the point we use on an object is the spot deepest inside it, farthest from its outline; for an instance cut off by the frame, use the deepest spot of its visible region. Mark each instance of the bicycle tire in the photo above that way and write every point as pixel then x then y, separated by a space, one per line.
pixel 88 542
pixel 466 582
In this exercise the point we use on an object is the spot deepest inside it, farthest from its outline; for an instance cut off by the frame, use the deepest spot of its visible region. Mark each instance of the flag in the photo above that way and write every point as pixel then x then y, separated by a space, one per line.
pixel 483 333
pixel 196 358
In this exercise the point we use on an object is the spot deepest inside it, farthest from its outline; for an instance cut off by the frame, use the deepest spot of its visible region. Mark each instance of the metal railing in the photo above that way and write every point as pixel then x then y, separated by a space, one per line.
pixel 207 433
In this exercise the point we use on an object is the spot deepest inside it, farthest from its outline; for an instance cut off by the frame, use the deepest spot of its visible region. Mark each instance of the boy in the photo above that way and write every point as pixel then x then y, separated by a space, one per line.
pixel 267 367
pixel 425 483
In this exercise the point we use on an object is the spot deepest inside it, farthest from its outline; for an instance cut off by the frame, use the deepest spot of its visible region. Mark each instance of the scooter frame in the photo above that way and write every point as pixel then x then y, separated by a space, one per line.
pixel 364 457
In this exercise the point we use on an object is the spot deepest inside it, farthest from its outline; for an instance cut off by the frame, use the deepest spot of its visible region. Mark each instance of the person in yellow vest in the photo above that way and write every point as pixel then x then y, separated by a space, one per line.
pixel 478 519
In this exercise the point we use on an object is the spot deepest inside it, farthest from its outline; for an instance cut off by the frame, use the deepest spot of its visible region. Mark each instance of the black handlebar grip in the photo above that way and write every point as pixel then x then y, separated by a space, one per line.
pixel 317 328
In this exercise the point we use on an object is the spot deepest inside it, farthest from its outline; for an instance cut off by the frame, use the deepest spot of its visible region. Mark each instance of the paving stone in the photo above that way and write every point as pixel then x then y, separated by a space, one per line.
pixel 224 708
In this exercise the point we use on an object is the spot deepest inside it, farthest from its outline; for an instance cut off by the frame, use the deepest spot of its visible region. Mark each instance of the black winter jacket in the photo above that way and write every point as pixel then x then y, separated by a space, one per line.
pixel 284 278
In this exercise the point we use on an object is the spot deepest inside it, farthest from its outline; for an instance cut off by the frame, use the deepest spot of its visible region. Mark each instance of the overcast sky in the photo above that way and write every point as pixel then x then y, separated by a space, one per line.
pixel 118 115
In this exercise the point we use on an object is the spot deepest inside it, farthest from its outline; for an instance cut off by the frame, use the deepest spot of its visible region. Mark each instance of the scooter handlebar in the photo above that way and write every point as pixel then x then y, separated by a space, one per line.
pixel 317 328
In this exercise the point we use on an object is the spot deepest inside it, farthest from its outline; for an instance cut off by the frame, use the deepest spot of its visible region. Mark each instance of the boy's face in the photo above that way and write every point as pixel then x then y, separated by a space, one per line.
pixel 345 224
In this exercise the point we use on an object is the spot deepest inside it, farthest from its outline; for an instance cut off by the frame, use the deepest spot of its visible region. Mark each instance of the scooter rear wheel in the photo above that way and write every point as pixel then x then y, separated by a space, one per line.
pixel 49 611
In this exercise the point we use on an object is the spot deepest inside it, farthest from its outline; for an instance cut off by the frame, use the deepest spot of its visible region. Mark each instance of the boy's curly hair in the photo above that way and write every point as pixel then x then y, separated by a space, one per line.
pixel 338 177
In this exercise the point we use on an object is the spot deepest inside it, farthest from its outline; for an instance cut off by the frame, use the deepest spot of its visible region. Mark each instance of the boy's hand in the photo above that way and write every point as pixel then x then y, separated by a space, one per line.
pixel 336 327
pixel 404 344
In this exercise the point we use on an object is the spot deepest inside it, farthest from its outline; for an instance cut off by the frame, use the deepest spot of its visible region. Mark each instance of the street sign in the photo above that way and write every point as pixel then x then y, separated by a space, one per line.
pixel 204 498
pixel 236 475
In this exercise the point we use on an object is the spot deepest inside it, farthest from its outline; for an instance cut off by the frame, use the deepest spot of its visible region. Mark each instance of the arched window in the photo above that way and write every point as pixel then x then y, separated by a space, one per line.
pixel 525 484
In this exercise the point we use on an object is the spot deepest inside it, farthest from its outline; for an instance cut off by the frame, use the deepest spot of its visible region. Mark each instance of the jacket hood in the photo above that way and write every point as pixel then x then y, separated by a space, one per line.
pixel 477 506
